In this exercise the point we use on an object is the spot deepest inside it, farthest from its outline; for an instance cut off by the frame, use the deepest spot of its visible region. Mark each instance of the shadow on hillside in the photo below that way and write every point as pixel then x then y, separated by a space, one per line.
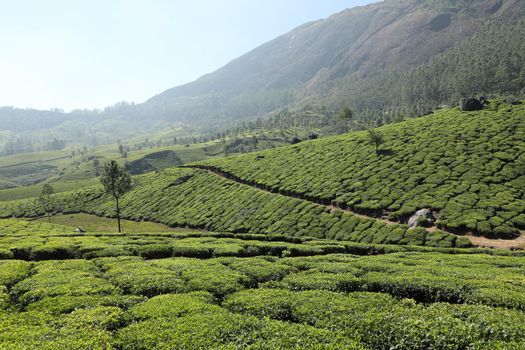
pixel 387 152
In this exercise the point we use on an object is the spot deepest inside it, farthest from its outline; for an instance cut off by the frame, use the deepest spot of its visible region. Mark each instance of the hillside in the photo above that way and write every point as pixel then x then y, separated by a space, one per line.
pixel 388 60
pixel 468 167
pixel 345 59
pixel 197 199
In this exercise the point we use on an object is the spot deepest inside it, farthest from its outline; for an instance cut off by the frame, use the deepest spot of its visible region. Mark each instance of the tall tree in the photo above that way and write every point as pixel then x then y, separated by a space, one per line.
pixel 116 181
pixel 46 200
pixel 375 138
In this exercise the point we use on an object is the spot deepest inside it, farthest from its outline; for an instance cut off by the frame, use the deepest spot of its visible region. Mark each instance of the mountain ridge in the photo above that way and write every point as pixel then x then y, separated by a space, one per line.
pixel 373 58
pixel 366 40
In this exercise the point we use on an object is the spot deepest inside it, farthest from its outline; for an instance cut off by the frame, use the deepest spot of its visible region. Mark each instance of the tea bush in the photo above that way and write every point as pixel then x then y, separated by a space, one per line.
pixel 469 167
pixel 383 322
pixel 331 301
pixel 209 202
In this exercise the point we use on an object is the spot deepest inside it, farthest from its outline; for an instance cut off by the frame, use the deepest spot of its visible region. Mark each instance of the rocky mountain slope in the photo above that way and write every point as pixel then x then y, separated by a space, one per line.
pixel 386 60
pixel 323 59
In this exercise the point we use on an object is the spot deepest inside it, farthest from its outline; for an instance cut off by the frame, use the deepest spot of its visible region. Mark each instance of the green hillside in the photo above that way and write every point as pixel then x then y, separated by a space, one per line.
pixel 468 167
pixel 199 199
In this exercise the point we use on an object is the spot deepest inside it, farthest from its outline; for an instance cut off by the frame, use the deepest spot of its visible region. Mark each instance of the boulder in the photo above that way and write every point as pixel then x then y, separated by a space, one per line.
pixel 295 140
pixel 422 216
pixel 80 230
pixel 484 100
pixel 312 136
pixel 470 104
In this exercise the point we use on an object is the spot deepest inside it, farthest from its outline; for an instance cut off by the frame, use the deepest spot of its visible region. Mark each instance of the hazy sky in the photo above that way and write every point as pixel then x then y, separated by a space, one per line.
pixel 93 53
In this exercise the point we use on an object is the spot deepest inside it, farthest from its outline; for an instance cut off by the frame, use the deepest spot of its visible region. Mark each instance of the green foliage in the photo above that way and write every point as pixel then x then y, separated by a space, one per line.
pixel 191 322
pixel 45 199
pixel 375 138
pixel 197 199
pixel 425 277
pixel 116 181
pixel 382 322
pixel 382 301
pixel 468 167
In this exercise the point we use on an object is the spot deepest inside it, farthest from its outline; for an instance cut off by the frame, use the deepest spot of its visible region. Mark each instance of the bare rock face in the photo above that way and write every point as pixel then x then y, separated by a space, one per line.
pixel 422 217
pixel 470 104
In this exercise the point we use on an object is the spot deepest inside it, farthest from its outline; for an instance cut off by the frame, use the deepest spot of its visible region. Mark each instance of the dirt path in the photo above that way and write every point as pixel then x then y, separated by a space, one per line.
pixel 517 243
pixel 480 241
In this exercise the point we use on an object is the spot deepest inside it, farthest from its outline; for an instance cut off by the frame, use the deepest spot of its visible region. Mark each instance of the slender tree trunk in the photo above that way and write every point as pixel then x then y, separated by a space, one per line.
pixel 48 209
pixel 118 214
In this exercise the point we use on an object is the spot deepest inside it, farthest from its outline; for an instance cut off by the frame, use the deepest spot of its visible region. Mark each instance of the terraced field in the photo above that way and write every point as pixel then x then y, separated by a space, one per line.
pixel 272 251
pixel 197 199
pixel 209 290
pixel 468 167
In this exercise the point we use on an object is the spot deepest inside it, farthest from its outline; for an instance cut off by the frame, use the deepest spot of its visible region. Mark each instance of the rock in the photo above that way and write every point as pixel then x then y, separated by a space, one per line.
pixel 470 104
pixel 312 136
pixel 422 215
pixel 295 140
pixel 484 100
pixel 80 230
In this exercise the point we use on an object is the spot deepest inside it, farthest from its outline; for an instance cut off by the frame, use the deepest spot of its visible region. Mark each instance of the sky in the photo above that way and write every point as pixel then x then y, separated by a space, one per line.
pixel 72 54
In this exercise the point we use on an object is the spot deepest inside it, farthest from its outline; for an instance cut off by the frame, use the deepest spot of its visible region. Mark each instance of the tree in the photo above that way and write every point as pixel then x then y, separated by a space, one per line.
pixel 116 182
pixel 347 115
pixel 375 138
pixel 96 165
pixel 46 200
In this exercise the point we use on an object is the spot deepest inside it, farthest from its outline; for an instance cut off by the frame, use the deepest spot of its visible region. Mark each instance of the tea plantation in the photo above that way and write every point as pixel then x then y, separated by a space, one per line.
pixel 266 256
pixel 469 167
pixel 205 290
pixel 198 199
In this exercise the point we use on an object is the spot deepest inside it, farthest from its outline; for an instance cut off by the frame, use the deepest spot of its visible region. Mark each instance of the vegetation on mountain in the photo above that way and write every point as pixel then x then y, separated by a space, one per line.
pixel 387 61
pixel 466 166
pixel 198 199
pixel 490 63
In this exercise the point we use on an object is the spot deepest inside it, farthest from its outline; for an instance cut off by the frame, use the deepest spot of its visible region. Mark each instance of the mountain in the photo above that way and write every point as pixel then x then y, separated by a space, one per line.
pixel 331 61
pixel 387 61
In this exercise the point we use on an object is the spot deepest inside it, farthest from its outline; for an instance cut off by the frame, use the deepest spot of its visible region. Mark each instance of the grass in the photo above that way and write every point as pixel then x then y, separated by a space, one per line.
pixel 20 173
pixel 92 223
pixel 35 190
